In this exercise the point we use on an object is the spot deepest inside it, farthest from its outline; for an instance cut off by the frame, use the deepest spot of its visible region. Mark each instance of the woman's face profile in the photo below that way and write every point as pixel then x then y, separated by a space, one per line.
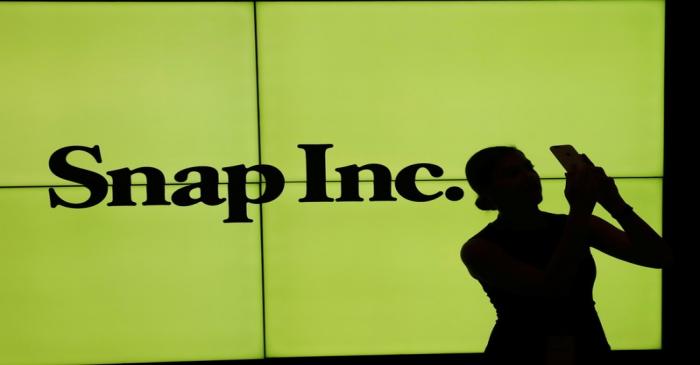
pixel 515 182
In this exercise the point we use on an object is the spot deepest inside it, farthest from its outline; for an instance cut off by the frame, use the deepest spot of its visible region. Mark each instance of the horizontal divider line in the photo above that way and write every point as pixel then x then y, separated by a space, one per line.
pixel 299 182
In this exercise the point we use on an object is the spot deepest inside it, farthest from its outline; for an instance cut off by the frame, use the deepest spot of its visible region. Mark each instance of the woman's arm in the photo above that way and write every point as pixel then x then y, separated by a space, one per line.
pixel 638 243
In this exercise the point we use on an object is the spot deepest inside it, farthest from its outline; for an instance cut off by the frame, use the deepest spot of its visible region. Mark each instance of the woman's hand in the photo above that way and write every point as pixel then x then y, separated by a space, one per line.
pixel 582 188
pixel 608 195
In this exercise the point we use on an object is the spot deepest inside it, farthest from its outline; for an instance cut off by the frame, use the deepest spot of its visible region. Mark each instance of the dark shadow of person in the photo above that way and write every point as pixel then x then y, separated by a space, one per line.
pixel 536 267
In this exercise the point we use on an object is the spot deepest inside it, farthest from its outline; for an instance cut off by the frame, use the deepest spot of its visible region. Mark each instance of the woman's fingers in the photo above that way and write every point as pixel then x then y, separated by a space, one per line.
pixel 597 169
pixel 587 160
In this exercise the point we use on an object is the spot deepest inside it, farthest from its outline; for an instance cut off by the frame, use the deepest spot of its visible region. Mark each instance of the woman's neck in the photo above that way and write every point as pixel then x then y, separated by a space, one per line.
pixel 521 219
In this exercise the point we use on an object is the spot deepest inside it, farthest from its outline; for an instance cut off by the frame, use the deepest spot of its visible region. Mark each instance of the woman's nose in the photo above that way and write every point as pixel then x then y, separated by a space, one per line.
pixel 532 177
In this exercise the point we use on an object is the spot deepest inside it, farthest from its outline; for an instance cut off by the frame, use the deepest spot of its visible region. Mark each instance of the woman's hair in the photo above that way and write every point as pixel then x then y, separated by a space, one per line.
pixel 479 171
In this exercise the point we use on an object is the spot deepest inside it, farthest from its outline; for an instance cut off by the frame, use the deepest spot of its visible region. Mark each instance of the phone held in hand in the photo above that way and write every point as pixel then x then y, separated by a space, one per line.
pixel 567 155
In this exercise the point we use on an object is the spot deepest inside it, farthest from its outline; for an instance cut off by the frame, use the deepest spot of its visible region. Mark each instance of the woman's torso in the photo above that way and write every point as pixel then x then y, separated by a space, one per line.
pixel 526 322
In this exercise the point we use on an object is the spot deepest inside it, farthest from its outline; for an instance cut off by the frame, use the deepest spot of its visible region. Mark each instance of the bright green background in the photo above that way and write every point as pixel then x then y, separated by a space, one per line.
pixel 126 284
pixel 400 83
pixel 386 277
pixel 167 85
pixel 172 85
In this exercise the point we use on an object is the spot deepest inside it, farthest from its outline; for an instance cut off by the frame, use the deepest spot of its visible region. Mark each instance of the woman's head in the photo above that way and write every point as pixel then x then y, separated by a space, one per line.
pixel 503 178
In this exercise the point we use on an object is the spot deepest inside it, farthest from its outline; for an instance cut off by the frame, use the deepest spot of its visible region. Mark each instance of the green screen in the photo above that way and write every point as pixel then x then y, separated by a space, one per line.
pixel 118 284
pixel 437 81
pixel 175 85
pixel 382 277
pixel 165 85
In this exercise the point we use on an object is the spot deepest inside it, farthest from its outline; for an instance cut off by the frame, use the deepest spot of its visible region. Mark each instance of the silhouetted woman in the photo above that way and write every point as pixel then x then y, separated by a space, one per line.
pixel 536 267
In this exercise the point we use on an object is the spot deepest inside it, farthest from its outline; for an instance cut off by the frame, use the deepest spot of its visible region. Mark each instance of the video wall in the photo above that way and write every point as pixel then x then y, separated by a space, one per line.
pixel 184 84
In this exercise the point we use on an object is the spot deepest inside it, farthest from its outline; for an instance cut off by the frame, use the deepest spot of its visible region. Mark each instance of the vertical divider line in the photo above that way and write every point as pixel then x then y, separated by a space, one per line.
pixel 260 206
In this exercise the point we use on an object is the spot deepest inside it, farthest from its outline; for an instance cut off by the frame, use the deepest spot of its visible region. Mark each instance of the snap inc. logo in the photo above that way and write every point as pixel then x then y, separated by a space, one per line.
pixel 237 198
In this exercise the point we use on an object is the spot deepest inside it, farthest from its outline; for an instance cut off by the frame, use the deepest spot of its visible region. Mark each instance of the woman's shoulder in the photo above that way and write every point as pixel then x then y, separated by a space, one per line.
pixel 483 233
pixel 477 241
pixel 489 234
pixel 472 250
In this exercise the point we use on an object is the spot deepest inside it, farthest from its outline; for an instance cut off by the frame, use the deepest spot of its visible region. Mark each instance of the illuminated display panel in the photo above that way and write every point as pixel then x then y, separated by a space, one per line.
pixel 407 82
pixel 164 85
pixel 436 82
pixel 386 278
pixel 126 284
pixel 172 85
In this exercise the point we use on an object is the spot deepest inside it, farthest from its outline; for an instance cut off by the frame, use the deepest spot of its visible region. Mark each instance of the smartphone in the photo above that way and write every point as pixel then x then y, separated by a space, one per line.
pixel 568 157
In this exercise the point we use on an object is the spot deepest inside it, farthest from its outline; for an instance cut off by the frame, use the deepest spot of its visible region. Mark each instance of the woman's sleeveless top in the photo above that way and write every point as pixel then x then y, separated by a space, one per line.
pixel 525 322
